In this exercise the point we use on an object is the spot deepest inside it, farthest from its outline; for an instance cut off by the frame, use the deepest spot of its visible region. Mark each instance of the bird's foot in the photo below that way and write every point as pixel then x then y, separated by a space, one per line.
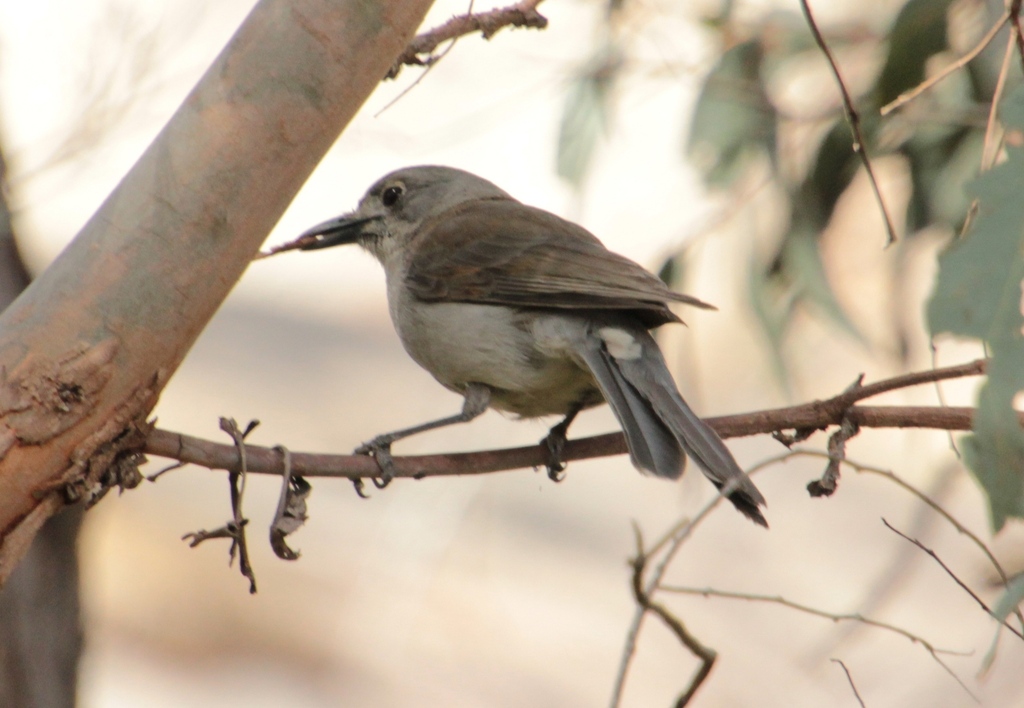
pixel 554 443
pixel 380 450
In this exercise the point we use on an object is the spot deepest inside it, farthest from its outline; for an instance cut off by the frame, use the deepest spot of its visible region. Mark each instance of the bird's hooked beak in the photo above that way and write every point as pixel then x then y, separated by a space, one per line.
pixel 340 231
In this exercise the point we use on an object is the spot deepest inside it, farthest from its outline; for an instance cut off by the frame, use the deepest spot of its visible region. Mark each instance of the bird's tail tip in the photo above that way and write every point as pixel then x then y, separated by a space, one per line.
pixel 748 504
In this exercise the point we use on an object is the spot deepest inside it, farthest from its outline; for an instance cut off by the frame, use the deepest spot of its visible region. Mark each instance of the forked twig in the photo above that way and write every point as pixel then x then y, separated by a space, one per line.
pixel 671 542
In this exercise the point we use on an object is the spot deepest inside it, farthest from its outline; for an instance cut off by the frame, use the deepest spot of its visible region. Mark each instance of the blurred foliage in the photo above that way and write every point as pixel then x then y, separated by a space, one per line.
pixel 735 129
pixel 588 102
pixel 734 118
pixel 586 114
pixel 978 294
pixel 1010 600
pixel 745 129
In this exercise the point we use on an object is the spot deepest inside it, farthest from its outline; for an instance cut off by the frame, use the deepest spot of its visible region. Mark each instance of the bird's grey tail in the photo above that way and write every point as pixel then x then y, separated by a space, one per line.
pixel 659 425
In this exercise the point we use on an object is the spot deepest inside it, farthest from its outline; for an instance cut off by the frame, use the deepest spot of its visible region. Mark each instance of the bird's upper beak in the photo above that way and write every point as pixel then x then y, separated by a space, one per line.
pixel 339 231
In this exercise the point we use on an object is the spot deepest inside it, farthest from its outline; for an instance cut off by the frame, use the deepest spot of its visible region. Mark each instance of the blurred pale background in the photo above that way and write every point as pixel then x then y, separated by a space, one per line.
pixel 504 590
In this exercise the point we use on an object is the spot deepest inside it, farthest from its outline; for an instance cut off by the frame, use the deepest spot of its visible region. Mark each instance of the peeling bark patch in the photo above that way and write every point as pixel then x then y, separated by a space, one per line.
pixel 41 398
pixel 70 393
pixel 111 456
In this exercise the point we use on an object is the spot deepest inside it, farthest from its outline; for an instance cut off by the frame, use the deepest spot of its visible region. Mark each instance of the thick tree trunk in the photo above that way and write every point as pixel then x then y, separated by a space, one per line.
pixel 40 623
pixel 87 348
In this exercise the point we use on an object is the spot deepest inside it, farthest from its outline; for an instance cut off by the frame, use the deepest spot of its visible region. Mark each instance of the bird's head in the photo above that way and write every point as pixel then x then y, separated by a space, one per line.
pixel 392 209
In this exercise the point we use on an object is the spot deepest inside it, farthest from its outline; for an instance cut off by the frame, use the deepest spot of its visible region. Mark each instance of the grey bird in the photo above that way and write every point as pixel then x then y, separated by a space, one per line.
pixel 519 310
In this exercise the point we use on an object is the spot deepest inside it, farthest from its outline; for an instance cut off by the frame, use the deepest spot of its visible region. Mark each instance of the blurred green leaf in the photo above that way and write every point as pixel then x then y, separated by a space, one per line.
pixel 938 171
pixel 939 139
pixel 772 301
pixel 918 33
pixel 734 119
pixel 978 294
pixel 670 271
pixel 802 261
pixel 1009 601
pixel 585 116
pixel 834 168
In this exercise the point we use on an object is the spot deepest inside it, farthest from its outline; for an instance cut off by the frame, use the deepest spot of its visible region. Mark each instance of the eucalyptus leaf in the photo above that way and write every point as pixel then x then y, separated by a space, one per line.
pixel 978 294
pixel 918 33
pixel 772 300
pixel 802 260
pixel 1008 602
pixel 734 118
pixel 585 116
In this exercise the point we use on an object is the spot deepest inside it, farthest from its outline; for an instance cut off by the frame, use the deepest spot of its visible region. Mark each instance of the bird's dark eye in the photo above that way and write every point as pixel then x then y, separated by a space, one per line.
pixel 390 195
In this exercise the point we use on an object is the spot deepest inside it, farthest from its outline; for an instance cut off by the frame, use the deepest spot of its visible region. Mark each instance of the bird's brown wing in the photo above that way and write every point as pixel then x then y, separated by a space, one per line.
pixel 504 252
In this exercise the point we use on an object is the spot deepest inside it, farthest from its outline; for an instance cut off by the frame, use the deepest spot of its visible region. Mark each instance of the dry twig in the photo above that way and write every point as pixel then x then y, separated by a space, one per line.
pixel 522 14
pixel 956 579
pixel 834 616
pixel 642 595
pixel 990 147
pixel 853 686
pixel 852 117
pixel 234 529
pixel 908 96
pixel 673 540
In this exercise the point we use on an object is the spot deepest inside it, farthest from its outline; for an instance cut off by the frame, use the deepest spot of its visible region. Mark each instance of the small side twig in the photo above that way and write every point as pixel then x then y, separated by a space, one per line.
pixel 164 470
pixel 428 65
pixel 908 96
pixel 956 579
pixel 522 14
pixel 834 616
pixel 862 391
pixel 849 678
pixel 237 482
pixel 234 529
pixel 852 117
pixel 861 468
pixel 990 147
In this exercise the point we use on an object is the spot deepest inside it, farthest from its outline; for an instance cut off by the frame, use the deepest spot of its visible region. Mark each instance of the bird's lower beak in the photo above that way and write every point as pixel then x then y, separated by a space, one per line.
pixel 339 231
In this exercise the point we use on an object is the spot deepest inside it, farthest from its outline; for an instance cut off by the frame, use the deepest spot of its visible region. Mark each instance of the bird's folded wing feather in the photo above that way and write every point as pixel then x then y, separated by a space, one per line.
pixel 504 252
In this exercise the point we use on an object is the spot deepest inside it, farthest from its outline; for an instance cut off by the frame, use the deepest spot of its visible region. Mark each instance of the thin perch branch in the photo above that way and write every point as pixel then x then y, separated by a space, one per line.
pixel 816 415
pixel 263 460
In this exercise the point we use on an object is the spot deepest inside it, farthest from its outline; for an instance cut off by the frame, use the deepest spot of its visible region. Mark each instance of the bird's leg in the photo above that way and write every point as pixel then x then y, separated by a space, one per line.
pixel 477 398
pixel 555 443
